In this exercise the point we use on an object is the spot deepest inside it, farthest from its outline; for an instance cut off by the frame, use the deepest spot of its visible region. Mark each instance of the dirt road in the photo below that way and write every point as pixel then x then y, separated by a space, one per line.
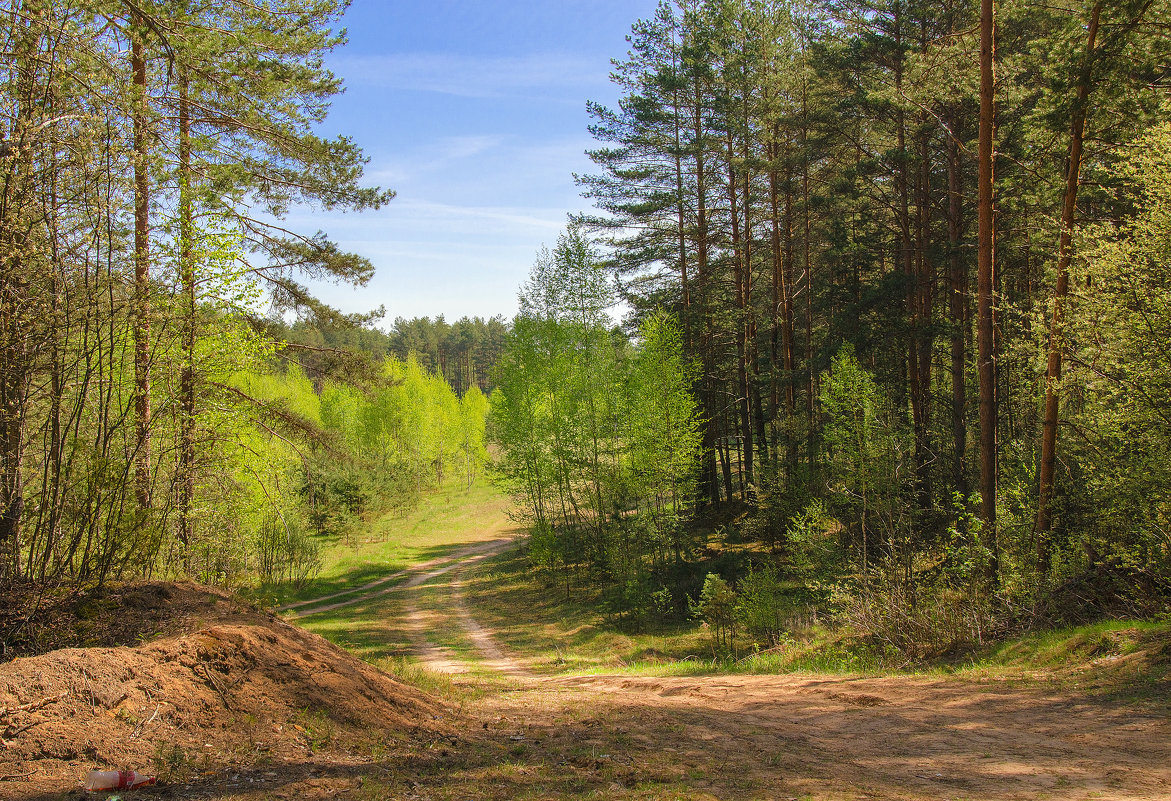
pixel 796 736
pixel 895 737
pixel 412 577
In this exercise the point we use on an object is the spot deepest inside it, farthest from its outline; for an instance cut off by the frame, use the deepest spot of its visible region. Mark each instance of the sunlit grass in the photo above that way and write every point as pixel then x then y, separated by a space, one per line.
pixel 1125 658
pixel 1059 647
pixel 555 632
pixel 551 629
pixel 371 630
pixel 444 520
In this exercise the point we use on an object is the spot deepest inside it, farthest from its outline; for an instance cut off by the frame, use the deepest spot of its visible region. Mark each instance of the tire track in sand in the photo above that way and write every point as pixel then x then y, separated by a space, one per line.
pixel 413 575
pixel 419 622
pixel 441 659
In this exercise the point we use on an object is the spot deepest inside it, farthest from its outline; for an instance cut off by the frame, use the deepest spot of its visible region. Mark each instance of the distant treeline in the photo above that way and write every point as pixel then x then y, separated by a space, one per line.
pixel 463 352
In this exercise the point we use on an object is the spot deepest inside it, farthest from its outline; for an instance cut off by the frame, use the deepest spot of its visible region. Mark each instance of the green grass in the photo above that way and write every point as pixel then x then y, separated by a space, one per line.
pixel 434 600
pixel 1062 647
pixel 550 633
pixel 442 522
pixel 410 672
pixel 371 630
pixel 1126 660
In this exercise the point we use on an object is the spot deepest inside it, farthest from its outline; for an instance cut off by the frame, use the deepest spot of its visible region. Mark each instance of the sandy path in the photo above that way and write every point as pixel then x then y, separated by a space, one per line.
pixel 897 737
pixel 493 657
pixel 414 575
pixel 420 622
pixel 824 737
pixel 840 737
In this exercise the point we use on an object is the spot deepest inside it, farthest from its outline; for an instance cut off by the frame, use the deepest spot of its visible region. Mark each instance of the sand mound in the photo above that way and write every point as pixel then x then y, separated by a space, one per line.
pixel 244 686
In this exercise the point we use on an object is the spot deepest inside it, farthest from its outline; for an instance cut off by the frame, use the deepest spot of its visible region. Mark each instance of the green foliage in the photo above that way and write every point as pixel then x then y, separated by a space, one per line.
pixel 464 352
pixel 167 441
pixel 762 605
pixel 285 552
pixel 471 432
pixel 599 435
pixel 662 419
pixel 637 606
pixel 716 607
pixel 866 459
pixel 1121 374
pixel 795 184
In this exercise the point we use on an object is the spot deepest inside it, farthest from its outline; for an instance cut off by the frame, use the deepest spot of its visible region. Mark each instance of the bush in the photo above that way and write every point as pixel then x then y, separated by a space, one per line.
pixel 930 621
pixel 286 552
pixel 761 607
pixel 636 606
pixel 716 607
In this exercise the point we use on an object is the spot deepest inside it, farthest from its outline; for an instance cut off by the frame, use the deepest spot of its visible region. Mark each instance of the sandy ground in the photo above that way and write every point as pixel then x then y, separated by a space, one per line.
pixel 768 736
pixel 236 704
pixel 831 737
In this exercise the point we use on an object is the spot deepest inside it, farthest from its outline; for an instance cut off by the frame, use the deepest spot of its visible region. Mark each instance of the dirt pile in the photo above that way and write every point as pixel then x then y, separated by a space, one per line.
pixel 37 620
pixel 239 687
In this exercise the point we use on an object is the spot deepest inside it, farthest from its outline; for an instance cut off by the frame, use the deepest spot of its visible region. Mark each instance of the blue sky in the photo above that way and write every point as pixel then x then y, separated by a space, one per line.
pixel 474 113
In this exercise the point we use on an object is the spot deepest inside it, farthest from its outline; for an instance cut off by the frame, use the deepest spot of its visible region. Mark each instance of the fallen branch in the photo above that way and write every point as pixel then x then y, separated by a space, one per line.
pixel 138 729
pixel 10 732
pixel 207 676
pixel 11 776
pixel 32 706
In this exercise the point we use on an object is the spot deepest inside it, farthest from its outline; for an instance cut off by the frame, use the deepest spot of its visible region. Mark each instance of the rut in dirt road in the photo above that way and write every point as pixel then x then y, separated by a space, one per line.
pixel 414 576
pixel 441 659
pixel 409 581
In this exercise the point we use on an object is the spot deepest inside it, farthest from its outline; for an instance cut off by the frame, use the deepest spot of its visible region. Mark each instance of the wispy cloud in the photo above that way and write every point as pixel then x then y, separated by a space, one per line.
pixel 474 76
pixel 430 157
pixel 407 218
pixel 512 218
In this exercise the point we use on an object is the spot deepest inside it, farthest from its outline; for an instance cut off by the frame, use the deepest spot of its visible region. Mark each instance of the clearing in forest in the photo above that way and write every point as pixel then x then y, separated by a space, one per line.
pixel 1002 735
pixel 230 703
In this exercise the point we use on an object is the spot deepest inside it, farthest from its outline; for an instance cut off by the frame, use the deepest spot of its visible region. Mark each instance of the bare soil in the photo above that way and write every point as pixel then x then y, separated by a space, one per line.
pixel 233 687
pixel 893 737
pixel 1075 733
pixel 233 703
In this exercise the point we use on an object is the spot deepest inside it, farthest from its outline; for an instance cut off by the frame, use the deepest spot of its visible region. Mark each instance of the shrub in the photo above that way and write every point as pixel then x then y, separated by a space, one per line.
pixel 761 608
pixel 717 608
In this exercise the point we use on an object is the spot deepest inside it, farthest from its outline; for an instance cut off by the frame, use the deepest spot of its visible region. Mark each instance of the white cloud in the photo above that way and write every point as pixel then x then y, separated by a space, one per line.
pixel 511 218
pixel 474 76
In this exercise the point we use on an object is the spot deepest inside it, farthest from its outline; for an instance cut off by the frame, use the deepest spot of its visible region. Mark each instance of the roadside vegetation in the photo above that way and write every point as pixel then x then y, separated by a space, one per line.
pixel 173 401
pixel 838 398
pixel 550 634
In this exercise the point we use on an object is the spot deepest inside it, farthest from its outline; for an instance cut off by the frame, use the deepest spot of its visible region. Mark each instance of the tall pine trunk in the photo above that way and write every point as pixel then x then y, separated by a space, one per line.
pixel 141 267
pixel 1064 256
pixel 703 279
pixel 924 313
pixel 958 311
pixel 15 334
pixel 985 281
pixel 740 267
pixel 187 376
